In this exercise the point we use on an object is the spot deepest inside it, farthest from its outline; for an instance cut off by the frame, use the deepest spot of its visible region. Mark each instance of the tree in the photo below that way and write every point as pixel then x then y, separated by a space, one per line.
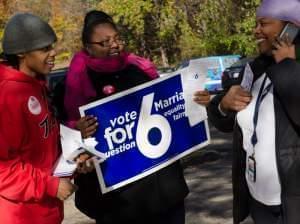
pixel 167 31
pixel 67 19
pixel 151 26
pixel 4 14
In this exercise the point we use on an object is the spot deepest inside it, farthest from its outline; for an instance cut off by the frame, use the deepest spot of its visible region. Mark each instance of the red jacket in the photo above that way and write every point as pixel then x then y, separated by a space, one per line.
pixel 29 147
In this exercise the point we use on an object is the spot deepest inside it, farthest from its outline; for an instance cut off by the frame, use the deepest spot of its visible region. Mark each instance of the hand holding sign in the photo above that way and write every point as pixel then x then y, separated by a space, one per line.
pixel 143 130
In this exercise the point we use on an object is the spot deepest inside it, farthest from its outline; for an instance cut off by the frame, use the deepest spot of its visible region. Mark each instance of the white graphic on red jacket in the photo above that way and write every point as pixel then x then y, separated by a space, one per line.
pixel 34 105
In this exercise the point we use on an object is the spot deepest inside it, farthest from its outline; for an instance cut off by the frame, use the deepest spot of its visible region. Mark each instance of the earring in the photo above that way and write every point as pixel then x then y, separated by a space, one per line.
pixel 21 55
pixel 89 51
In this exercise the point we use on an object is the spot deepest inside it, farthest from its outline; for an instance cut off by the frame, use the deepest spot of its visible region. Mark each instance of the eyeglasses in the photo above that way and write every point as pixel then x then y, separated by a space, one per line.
pixel 109 43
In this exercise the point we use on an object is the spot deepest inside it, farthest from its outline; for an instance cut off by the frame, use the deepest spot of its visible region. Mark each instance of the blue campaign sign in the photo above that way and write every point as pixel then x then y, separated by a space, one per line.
pixel 143 130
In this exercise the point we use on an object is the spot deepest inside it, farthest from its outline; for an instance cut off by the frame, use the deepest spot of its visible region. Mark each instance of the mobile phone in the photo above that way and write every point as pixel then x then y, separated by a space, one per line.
pixel 290 30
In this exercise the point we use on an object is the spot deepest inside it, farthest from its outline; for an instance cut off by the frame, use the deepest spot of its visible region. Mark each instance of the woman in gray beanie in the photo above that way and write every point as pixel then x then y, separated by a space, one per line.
pixel 266 122
pixel 29 133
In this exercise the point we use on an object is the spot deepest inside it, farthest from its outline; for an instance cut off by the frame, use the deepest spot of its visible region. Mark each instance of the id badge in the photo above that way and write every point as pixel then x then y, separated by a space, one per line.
pixel 251 168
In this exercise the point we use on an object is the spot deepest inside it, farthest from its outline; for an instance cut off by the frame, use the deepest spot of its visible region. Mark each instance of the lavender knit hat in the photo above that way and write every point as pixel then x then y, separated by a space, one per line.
pixel 285 10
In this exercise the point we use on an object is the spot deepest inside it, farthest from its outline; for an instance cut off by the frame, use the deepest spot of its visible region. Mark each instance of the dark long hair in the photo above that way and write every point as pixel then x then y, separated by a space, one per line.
pixel 92 19
pixel 10 59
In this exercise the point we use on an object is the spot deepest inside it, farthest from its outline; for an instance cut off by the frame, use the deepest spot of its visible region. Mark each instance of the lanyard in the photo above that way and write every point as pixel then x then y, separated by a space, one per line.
pixel 261 95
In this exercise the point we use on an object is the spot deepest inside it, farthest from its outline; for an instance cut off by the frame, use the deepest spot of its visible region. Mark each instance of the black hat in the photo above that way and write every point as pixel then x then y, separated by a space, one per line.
pixel 25 32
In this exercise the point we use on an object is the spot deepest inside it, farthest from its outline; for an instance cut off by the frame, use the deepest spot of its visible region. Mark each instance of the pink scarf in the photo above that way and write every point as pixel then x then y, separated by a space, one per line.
pixel 79 89
pixel 117 63
pixel 82 61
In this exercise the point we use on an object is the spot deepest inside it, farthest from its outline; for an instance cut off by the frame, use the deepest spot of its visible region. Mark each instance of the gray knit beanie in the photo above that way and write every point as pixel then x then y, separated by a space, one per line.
pixel 25 32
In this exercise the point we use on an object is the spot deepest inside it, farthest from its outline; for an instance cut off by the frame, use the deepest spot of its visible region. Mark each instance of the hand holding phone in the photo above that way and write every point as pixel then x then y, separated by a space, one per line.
pixel 283 45
pixel 290 32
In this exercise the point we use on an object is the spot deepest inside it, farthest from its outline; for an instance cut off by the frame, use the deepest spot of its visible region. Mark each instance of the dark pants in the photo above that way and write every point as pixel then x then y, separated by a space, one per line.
pixel 263 214
pixel 175 215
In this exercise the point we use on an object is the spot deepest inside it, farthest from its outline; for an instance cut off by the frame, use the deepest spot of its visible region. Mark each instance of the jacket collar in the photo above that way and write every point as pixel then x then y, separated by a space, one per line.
pixel 9 73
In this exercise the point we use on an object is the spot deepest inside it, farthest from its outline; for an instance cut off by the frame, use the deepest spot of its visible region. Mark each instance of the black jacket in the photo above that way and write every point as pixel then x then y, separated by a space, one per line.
pixel 149 196
pixel 285 77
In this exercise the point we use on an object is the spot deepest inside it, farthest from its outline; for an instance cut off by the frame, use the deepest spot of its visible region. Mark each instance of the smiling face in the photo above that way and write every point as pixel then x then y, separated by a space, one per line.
pixel 105 41
pixel 39 61
pixel 265 32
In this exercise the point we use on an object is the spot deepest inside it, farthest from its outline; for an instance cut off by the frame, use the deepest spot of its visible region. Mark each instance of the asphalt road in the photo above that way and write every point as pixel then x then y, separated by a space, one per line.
pixel 208 174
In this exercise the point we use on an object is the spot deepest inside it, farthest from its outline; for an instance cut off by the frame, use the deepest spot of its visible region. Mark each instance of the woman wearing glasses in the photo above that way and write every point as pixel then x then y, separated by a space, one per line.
pixel 101 69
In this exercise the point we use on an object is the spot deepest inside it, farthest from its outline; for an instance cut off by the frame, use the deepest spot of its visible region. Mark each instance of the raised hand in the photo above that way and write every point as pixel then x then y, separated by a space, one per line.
pixel 202 97
pixel 236 99
pixel 283 49
pixel 87 126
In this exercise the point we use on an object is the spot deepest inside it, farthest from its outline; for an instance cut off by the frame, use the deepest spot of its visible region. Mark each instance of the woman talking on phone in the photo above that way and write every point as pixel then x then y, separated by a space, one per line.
pixel 266 121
